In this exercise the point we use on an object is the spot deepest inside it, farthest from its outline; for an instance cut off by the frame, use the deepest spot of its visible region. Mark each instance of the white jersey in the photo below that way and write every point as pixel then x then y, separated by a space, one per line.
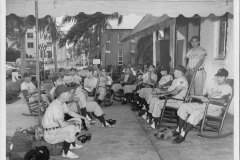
pixel 194 57
pixel 147 79
pixel 219 91
pixel 180 82
pixel 90 83
pixel 28 86
pixel 165 79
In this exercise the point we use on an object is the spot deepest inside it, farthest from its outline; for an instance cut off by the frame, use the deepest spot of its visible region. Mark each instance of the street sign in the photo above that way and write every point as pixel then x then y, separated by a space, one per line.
pixel 96 61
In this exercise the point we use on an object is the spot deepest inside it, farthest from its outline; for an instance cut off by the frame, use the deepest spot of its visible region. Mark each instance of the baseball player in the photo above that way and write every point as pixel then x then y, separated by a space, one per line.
pixel 126 78
pixel 85 105
pixel 29 88
pixel 178 89
pixel 129 66
pixel 56 129
pixel 73 78
pixel 103 81
pixel 196 56
pixel 193 112
pixel 148 80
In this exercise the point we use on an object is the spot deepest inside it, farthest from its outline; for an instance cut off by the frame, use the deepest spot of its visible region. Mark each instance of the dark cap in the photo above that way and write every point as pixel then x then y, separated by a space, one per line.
pixel 71 69
pixel 180 68
pixel 61 89
pixel 61 69
pixel 222 72
pixel 26 74
pixel 89 68
pixel 163 68
pixel 55 76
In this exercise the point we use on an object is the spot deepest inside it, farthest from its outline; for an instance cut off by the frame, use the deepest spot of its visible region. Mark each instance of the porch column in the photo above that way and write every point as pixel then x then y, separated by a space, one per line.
pixel 154 48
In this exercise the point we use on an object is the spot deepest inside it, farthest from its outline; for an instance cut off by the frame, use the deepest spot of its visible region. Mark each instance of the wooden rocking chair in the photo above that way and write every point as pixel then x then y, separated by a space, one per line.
pixel 215 124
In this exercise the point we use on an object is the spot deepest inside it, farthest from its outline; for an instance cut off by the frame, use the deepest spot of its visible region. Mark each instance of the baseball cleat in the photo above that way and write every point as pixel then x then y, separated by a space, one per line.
pixel 179 139
pixel 70 155
pixel 77 146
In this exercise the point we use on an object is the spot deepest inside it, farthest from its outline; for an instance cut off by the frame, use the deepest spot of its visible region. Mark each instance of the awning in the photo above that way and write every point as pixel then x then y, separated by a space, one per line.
pixel 157 8
pixel 148 25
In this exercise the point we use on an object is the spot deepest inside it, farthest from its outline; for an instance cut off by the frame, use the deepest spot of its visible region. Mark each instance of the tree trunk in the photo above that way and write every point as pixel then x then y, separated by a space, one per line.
pixel 23 53
pixel 55 55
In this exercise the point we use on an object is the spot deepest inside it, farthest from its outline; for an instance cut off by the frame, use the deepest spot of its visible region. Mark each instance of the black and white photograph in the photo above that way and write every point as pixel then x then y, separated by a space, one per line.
pixel 119 79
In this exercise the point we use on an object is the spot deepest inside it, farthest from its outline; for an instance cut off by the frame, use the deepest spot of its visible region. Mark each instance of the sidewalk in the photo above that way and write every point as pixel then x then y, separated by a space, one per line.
pixel 128 140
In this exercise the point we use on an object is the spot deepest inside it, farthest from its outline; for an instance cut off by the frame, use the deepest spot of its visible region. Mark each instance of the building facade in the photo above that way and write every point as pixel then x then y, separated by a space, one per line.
pixel 115 52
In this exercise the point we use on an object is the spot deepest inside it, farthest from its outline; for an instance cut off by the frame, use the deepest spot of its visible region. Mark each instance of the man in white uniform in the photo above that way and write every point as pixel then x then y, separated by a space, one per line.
pixel 196 57
pixel 56 129
pixel 178 89
pixel 73 78
pixel 29 88
pixel 193 112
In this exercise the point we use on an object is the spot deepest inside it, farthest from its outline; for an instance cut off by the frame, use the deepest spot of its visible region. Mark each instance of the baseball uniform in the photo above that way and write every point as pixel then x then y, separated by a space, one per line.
pixel 195 111
pixel 101 89
pixel 156 105
pixel 31 87
pixel 54 112
pixel 200 78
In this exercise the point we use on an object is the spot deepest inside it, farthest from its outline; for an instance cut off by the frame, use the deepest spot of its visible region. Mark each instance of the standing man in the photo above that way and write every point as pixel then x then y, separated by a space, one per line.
pixel 196 57
pixel 56 129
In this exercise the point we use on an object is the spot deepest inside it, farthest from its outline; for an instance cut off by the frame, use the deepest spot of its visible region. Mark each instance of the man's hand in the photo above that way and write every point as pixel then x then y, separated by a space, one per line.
pixel 205 100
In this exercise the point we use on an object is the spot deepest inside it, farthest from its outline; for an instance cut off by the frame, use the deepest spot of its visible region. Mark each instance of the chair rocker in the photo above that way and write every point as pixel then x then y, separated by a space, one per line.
pixel 215 124
pixel 169 114
pixel 33 106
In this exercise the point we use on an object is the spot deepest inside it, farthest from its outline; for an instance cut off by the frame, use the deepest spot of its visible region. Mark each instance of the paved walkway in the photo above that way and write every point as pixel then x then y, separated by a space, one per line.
pixel 129 141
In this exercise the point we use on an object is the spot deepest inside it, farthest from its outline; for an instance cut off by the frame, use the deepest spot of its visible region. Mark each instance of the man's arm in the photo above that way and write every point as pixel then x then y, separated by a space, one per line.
pixel 202 57
pixel 165 84
pixel 26 92
pixel 63 123
pixel 75 115
pixel 173 92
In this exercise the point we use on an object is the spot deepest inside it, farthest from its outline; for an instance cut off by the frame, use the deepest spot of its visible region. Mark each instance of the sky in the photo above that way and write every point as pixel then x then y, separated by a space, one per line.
pixel 129 22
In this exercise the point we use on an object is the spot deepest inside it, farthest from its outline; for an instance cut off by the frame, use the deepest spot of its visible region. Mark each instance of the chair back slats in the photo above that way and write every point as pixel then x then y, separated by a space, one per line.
pixel 47 88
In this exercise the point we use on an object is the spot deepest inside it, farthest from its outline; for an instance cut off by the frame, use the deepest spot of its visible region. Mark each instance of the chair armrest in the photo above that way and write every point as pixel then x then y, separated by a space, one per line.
pixel 166 97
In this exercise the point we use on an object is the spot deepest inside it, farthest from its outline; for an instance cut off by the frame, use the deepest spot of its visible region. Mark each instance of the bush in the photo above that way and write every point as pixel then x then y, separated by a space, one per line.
pixel 11 94
pixel 12 54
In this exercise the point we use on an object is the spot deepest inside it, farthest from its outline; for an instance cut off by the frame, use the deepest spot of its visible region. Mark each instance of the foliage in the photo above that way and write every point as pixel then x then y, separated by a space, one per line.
pixel 144 49
pixel 12 94
pixel 87 27
pixel 12 54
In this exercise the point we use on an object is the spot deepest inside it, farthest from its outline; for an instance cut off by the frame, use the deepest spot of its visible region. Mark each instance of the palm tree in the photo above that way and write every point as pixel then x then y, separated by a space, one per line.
pixel 47 27
pixel 88 28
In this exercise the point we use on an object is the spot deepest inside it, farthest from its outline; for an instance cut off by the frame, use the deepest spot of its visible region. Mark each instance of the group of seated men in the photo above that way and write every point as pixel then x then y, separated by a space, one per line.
pixel 56 127
pixel 149 101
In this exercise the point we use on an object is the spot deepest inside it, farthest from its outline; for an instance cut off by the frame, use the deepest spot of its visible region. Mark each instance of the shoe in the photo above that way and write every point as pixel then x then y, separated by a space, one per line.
pixel 175 133
pixel 77 146
pixel 124 102
pixel 179 139
pixel 70 155
pixel 88 118
pixel 144 116
pixel 153 125
pixel 135 109
pixel 111 121
pixel 107 125
pixel 92 122
pixel 141 113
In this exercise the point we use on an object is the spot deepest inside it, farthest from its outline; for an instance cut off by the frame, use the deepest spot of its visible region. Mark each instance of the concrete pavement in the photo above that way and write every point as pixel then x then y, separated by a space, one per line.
pixel 130 139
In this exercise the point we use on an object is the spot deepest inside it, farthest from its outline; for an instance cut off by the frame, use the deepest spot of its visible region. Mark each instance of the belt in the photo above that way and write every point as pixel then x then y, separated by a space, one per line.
pixel 49 129
pixel 200 69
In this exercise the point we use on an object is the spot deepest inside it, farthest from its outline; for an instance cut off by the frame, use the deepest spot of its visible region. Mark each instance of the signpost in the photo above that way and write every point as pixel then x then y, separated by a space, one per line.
pixel 43 48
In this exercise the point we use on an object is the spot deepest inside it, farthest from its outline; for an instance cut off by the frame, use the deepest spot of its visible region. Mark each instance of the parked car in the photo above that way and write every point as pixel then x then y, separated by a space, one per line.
pixel 31 68
pixel 9 70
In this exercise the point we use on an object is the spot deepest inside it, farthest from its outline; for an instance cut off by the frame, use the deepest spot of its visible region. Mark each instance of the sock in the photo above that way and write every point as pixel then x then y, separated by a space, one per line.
pixel 181 123
pixel 187 129
pixel 74 144
pixel 102 120
pixel 99 101
pixel 177 129
pixel 66 146
pixel 112 92
pixel 150 117
pixel 84 111
pixel 182 133
pixel 156 120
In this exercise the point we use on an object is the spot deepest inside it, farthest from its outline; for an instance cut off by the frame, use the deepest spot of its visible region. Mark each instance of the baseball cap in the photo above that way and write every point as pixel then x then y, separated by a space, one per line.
pixel 26 74
pixel 55 76
pixel 61 69
pixel 222 72
pixel 163 68
pixel 71 69
pixel 61 89
pixel 89 68
pixel 180 68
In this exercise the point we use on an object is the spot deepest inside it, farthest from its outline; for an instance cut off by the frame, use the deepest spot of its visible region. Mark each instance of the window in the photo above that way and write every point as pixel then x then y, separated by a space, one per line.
pixel 120 56
pixel 29 35
pixel 132 46
pixel 222 37
pixel 30 44
pixel 108 46
pixel 120 36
